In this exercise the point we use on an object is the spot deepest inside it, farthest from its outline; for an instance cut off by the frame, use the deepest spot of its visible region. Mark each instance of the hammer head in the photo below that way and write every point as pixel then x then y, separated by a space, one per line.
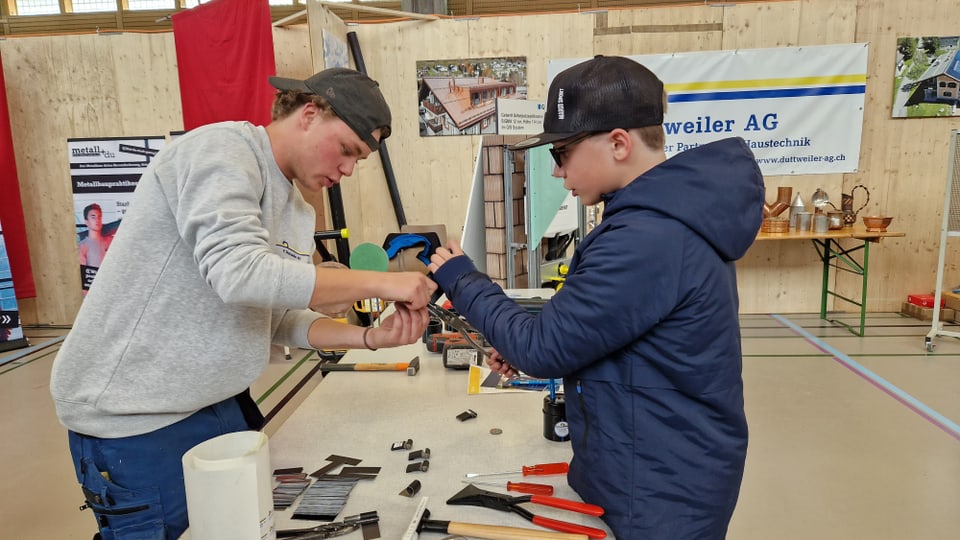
pixel 414 366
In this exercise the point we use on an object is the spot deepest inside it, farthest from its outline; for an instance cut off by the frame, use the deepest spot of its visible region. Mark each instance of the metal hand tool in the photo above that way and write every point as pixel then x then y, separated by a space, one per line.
pixel 519 487
pixel 474 496
pixel 456 323
pixel 332 530
pixel 541 469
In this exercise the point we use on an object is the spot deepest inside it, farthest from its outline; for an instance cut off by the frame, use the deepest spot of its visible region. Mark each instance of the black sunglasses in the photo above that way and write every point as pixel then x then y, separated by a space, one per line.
pixel 558 151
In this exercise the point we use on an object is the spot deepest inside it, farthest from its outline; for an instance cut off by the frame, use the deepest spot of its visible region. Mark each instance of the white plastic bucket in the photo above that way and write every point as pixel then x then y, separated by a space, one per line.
pixel 228 487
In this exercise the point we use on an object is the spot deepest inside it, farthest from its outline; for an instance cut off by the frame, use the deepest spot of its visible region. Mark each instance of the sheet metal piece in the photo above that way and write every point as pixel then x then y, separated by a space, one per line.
pixel 412 489
pixel 335 461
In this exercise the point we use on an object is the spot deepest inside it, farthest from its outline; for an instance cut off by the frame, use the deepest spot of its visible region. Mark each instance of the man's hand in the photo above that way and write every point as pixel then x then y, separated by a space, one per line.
pixel 337 286
pixel 411 289
pixel 402 327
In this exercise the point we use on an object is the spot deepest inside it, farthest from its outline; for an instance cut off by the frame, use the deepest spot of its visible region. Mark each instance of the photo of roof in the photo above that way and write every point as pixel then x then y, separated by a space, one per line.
pixel 458 97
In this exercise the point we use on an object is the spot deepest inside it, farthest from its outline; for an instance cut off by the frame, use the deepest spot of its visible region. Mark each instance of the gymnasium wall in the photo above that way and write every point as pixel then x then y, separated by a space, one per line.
pixel 62 87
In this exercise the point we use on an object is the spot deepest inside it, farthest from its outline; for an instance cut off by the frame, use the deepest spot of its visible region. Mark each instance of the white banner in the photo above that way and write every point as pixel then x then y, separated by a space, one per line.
pixel 799 108
pixel 104 173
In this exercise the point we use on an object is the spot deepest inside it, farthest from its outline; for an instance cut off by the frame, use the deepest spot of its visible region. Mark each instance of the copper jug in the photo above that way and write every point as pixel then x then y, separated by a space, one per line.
pixel 781 204
pixel 846 205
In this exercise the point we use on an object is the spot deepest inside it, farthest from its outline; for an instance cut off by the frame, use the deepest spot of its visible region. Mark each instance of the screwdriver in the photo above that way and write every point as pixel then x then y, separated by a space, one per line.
pixel 539 469
pixel 520 487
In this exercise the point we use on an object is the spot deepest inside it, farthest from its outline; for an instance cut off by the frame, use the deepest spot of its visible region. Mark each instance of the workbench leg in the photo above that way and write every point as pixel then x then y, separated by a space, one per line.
pixel 863 291
pixel 826 256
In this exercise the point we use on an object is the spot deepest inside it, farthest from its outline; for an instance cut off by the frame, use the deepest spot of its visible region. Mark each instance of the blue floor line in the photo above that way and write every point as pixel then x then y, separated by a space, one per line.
pixel 942 422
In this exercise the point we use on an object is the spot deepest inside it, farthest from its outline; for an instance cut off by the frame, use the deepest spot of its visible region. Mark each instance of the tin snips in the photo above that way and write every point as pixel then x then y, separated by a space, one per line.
pixel 458 325
pixel 368 521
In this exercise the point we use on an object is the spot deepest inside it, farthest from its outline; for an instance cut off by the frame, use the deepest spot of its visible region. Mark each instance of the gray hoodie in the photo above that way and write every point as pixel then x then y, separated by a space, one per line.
pixel 211 264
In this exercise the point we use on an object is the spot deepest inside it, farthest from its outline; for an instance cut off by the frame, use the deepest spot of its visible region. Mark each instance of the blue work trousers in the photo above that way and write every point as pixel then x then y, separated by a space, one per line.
pixel 134 485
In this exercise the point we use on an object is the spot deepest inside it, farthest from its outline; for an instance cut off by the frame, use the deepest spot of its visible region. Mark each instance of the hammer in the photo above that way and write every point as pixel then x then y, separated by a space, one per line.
pixel 412 367
pixel 490 532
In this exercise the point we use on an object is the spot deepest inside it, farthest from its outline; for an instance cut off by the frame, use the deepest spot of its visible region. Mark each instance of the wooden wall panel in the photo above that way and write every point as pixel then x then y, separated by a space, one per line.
pixel 75 86
pixel 57 88
pixel 904 161
pixel 147 87
pixel 659 31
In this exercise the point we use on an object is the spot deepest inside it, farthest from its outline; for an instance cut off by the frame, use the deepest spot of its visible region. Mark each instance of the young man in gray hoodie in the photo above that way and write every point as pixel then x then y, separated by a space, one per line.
pixel 213 265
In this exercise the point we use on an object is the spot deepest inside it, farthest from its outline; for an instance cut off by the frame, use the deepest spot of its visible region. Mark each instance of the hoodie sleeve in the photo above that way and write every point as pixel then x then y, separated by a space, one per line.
pixel 293 326
pixel 625 281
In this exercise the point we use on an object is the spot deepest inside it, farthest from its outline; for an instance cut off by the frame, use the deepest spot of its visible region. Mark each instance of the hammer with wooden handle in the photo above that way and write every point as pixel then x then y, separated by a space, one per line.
pixel 412 367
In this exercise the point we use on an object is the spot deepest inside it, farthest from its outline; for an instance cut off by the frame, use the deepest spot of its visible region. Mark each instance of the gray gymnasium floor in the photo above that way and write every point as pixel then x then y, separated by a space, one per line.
pixel 851 438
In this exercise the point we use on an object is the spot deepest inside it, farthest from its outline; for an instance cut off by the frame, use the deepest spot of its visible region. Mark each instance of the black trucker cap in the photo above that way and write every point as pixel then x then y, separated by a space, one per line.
pixel 601 94
pixel 355 98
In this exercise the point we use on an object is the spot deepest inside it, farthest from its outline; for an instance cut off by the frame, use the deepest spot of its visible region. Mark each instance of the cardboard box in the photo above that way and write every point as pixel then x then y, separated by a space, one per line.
pixel 925 313
pixel 924 300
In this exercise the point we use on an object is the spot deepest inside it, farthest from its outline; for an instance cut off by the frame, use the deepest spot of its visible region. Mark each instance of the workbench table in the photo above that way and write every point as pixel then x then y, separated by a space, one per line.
pixel 361 415
pixel 833 254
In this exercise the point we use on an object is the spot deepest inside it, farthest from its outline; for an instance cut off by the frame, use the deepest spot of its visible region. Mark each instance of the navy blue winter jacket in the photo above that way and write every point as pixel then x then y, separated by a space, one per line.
pixel 645 333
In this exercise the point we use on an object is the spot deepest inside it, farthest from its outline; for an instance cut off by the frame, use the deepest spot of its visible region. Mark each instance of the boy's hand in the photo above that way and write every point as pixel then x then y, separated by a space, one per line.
pixel 498 364
pixel 443 254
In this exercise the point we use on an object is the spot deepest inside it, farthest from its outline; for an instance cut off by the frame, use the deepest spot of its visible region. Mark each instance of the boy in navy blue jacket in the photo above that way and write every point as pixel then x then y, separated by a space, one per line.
pixel 645 331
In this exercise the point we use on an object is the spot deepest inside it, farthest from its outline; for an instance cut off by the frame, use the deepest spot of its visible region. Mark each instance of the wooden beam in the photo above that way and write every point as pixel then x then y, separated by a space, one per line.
pixel 291 19
pixel 658 28
pixel 119 14
pixel 381 11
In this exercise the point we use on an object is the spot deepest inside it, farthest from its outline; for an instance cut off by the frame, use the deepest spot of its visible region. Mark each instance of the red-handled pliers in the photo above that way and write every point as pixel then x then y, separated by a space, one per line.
pixel 474 496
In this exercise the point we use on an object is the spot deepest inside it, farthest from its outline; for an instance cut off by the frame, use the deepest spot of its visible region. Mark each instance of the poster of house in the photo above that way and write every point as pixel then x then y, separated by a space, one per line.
pixel 927 78
pixel 459 96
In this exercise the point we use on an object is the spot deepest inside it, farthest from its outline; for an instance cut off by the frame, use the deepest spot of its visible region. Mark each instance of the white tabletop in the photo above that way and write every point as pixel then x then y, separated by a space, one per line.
pixel 361 415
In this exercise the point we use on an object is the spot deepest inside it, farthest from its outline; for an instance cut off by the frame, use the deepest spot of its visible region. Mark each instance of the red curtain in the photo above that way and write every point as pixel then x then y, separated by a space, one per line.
pixel 224 56
pixel 11 211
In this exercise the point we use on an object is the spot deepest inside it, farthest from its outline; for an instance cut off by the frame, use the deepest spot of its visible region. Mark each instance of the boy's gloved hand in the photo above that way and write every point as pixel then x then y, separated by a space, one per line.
pixel 448 264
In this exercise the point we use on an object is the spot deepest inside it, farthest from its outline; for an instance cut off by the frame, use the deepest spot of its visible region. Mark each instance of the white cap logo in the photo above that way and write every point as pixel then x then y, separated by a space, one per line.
pixel 560 115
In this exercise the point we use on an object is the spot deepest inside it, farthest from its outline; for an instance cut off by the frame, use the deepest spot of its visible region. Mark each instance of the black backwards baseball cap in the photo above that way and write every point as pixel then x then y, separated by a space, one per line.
pixel 601 94
pixel 355 98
